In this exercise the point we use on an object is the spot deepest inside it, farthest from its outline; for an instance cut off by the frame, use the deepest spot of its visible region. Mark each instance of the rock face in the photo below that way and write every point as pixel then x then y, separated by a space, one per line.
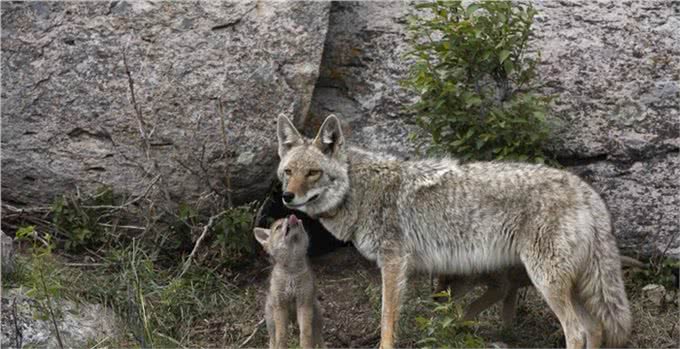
pixel 360 72
pixel 613 66
pixel 80 325
pixel 67 115
pixel 615 69
pixel 68 118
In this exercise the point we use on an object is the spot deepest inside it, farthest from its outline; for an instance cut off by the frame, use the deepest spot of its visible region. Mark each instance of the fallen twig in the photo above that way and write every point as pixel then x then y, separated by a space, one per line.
pixel 86 264
pixel 206 228
pixel 131 227
pixel 257 327
pixel 49 308
pixel 18 335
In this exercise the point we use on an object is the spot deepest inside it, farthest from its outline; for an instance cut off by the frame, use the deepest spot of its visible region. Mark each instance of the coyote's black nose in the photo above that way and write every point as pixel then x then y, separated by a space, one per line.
pixel 288 196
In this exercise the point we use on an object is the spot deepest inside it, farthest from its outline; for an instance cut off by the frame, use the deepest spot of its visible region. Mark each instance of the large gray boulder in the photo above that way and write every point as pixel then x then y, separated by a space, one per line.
pixel 615 69
pixel 362 66
pixel 67 116
pixel 25 323
pixel 613 66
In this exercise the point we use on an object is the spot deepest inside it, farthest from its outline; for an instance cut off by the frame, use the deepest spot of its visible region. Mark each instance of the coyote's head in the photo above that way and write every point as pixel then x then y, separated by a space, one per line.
pixel 313 172
pixel 286 240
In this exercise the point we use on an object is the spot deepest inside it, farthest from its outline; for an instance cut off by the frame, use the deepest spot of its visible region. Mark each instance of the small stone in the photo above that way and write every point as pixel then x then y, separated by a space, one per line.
pixel 8 257
pixel 654 293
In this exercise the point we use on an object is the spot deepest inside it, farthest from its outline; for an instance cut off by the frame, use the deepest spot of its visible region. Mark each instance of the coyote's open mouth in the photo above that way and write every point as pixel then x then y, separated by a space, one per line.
pixel 316 196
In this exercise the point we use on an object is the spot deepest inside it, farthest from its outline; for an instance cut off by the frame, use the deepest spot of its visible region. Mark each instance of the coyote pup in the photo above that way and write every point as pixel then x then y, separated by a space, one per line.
pixel 291 287
pixel 441 216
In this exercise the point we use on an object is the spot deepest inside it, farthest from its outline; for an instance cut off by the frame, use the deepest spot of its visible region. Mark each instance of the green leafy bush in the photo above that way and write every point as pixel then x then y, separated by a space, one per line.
pixel 474 78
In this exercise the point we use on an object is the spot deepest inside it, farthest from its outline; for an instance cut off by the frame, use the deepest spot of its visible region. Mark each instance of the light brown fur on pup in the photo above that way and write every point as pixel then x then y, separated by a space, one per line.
pixel 292 292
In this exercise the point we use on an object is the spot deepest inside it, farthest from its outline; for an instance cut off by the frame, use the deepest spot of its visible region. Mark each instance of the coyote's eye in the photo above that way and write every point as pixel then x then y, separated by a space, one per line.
pixel 287 171
pixel 314 173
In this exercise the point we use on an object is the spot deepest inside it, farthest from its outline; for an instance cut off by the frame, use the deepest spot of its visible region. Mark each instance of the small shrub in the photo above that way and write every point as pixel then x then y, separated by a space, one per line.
pixel 474 78
pixel 660 271
pixel 79 219
pixel 42 278
pixel 445 327
pixel 234 237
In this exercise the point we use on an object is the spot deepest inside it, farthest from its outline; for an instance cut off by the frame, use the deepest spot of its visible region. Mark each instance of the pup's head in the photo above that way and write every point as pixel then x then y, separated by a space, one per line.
pixel 285 240
pixel 313 172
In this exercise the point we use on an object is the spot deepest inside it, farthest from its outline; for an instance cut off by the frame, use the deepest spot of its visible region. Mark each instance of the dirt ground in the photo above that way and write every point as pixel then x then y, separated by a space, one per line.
pixel 349 293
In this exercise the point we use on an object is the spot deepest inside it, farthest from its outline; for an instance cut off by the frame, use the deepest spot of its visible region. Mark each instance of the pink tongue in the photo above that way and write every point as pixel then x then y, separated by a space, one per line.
pixel 292 220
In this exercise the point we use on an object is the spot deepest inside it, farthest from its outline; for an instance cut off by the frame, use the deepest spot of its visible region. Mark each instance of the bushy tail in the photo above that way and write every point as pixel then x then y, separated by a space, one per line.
pixel 602 291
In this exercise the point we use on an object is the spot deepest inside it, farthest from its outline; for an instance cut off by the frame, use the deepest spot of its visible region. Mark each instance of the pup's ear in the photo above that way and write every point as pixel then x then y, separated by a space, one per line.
pixel 287 134
pixel 330 139
pixel 262 236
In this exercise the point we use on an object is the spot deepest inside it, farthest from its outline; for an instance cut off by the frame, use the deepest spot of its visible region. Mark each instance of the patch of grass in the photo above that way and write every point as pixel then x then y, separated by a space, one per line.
pixel 445 327
pixel 139 268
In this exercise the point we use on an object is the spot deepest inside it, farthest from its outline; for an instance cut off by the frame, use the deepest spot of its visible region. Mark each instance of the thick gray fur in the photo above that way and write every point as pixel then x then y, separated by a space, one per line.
pixel 442 216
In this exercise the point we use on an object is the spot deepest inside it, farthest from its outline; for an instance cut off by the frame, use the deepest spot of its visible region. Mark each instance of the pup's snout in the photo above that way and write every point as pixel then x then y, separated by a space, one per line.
pixel 293 220
pixel 288 196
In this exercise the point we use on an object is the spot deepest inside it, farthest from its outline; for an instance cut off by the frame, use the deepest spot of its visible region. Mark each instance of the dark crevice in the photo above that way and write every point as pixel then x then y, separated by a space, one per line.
pixel 627 159
pixel 79 132
pixel 582 161
pixel 161 144
pixel 225 25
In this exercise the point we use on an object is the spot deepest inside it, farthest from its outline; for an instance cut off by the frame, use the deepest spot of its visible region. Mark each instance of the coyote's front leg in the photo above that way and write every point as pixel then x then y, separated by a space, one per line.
pixel 393 280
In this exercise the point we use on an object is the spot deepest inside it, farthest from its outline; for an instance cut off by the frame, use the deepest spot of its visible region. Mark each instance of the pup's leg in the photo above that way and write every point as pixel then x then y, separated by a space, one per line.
pixel 393 280
pixel 271 326
pixel 317 326
pixel 305 318
pixel 280 313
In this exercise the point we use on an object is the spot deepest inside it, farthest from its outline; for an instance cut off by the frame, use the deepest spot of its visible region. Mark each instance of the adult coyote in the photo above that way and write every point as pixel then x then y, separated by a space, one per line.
pixel 445 217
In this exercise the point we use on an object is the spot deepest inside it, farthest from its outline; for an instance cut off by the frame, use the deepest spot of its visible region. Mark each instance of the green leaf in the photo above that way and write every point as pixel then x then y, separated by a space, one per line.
pixel 508 66
pixel 503 55
pixel 472 8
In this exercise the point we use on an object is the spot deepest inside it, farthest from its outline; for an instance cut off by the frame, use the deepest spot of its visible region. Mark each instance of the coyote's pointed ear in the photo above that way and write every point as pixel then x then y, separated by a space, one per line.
pixel 262 236
pixel 287 134
pixel 330 139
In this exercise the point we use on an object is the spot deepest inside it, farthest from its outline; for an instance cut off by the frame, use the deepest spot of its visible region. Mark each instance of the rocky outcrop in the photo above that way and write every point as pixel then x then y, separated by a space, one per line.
pixel 26 325
pixel 68 119
pixel 613 66
pixel 362 66
pixel 615 69
pixel 67 113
